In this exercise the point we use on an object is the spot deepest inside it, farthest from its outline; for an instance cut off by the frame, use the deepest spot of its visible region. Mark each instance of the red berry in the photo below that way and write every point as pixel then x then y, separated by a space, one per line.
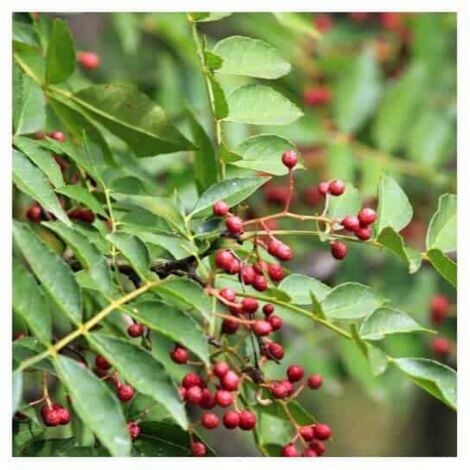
pixel 198 449
pixel 50 416
pixel 390 20
pixel 336 188
pixel 223 258
pixel 234 224
pixel 227 294
pixel 57 135
pixel 289 159
pixel 322 431
pixel 208 400
pixel 182 393
pixel 191 379
pixel 209 420
pixel 134 429
pixel 315 381
pixel 102 363
pixel 88 60
pixel 135 330
pixel 439 308
pixel 275 322
pixel 125 392
pixel 261 328
pixel 311 196
pixel 247 274
pixel 289 387
pixel 220 208
pixel 317 96
pixel 249 305
pixel 230 326
pixel 284 252
pixel 363 233
pixel 231 419
pixel 338 249
pixel 307 433
pixel 323 22
pixel 236 309
pixel 85 215
pixel 223 398
pixel 260 283
pixel 268 310
pixel 351 223
pixel 289 450
pixel 279 390
pixel 323 188
pixel 366 216
pixel 234 267
pixel 276 273
pixel 220 369
pixel 261 266
pixel 295 373
pixel 273 246
pixel 275 350
pixel 440 346
pixel 34 213
pixel 194 395
pixel 179 355
pixel 309 453
pixel 318 446
pixel 230 381
pixel 276 194
pixel 247 420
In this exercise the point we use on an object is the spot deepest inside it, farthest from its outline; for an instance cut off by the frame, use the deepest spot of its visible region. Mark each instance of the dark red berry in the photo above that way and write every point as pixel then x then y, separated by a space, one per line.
pixel 208 400
pixel 338 249
pixel 84 215
pixel 220 369
pixel 336 188
pixel 350 223
pixel 231 419
pixel 194 395
pixel 363 233
pixel 50 416
pixel 307 433
pixel 236 309
pixel 260 283
pixel 230 326
pixel 275 322
pixel 220 208
pixel 88 60
pixel 289 159
pixel 234 224
pixel 223 258
pixel 34 213
pixel 289 387
pixel 318 446
pixel 57 135
pixel 268 310
pixel 279 390
pixel 309 453
pixel 209 420
pixel 440 346
pixel 275 350
pixel 315 381
pixel 102 363
pixel 289 450
pixel 262 328
pixel 261 266
pixel 125 392
pixel 135 330
pixel 223 398
pixel 295 373
pixel 230 381
pixel 322 431
pixel 247 420
pixel 227 294
pixel 191 379
pixel 247 274
pixel 366 216
pixel 134 429
pixel 198 449
pixel 234 267
pixel 276 273
pixel 249 305
pixel 179 355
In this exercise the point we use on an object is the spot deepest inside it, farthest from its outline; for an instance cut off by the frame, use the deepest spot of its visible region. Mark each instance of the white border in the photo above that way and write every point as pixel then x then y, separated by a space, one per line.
pixel 460 6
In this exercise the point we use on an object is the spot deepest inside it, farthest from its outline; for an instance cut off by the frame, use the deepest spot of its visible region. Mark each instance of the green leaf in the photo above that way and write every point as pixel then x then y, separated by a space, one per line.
pixel 394 242
pixel 29 104
pixel 41 158
pixel 134 250
pixel 437 379
pixel 350 301
pixel 88 255
pixel 232 191
pixel 220 101
pixel 96 404
pixel 263 152
pixel 346 204
pixel 446 267
pixel 184 293
pixel 127 26
pixel 394 208
pixel 138 367
pixel 176 246
pixel 299 287
pixel 442 230
pixel 60 58
pixel 213 61
pixel 341 161
pixel 388 321
pixel 173 324
pixel 251 58
pixel 203 17
pixel 82 195
pixel 134 117
pixel 29 302
pixel 396 111
pixel 32 181
pixel 261 105
pixel 356 92
pixel 17 389
pixel 378 359
pixel 206 164
pixel 55 276
pixel 298 23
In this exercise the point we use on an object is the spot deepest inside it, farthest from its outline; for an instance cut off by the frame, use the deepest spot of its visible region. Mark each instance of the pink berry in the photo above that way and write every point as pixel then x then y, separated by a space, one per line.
pixel 276 273
pixel 134 429
pixel 323 188
pixel 363 233
pixel 247 420
pixel 223 258
pixel 57 135
pixel 247 274
pixel 315 381
pixel 233 267
pixel 309 453
pixel 249 305
pixel 322 431
pixel 208 400
pixel 194 395
pixel 231 419
pixel 350 223
pixel 223 398
pixel 289 450
pixel 230 381
pixel 198 449
pixel 262 328
pixel 227 294
pixel 209 420
pixel 307 433
pixel 179 355
pixel 88 60
pixel 295 373
pixel 439 308
pixel 275 350
pixel 220 369
pixel 191 379
pixel 234 224
pixel 289 159
pixel 366 216
pixel 220 208
pixel 441 346
pixel 125 392
pixel 275 322
pixel 260 283
pixel 279 390
pixel 336 188
pixel 338 249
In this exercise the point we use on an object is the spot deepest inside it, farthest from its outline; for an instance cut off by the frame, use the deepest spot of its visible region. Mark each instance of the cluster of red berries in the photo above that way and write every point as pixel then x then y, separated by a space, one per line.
pixel 439 311
pixel 312 440
pixel 54 414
